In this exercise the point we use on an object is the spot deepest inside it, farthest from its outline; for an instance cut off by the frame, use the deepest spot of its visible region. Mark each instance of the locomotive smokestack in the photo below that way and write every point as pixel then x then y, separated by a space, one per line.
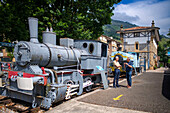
pixel 33 28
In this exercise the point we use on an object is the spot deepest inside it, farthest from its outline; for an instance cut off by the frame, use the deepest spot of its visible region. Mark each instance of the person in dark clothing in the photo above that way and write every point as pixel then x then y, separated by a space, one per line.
pixel 129 67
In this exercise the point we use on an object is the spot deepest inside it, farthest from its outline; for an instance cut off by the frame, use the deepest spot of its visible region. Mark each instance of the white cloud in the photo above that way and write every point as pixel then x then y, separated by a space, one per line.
pixel 143 12
pixel 124 17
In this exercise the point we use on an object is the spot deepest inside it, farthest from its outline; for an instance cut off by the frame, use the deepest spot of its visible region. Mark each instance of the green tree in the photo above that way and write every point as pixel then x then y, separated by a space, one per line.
pixel 77 19
pixel 13 20
pixel 163 47
pixel 168 43
pixel 169 32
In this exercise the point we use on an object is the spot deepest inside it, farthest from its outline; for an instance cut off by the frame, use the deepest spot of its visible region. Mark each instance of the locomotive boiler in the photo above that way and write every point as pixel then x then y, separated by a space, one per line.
pixel 46 73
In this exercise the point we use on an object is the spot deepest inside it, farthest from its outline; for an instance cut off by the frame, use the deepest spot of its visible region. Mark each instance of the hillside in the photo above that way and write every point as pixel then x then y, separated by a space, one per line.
pixel 110 30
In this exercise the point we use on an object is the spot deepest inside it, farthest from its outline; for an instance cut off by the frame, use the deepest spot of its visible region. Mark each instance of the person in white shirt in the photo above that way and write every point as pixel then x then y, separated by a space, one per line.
pixel 117 72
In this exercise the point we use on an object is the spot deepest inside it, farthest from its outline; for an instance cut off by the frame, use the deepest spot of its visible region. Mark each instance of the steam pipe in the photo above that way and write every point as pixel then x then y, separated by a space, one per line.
pixel 52 75
pixel 64 67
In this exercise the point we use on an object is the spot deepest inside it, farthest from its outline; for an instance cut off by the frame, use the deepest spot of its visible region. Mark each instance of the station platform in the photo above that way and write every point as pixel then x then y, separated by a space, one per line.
pixel 150 92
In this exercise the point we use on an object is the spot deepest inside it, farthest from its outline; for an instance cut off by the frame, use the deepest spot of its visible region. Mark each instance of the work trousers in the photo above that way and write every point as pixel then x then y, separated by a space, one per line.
pixel 128 77
pixel 116 77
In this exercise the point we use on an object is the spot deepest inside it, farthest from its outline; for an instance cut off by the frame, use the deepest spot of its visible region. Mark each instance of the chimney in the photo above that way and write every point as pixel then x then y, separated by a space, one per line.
pixel 33 28
pixel 153 23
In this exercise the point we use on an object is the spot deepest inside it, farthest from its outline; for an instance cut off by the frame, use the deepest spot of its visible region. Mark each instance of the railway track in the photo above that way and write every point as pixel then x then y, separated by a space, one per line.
pixel 8 105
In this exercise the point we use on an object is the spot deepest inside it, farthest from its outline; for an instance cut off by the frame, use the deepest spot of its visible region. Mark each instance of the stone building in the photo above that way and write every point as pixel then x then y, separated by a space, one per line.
pixel 143 40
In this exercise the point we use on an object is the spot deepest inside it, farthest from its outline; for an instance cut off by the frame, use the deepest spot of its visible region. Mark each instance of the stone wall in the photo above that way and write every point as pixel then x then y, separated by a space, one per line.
pixel 153 54
pixel 143 47
pixel 131 47
pixel 144 55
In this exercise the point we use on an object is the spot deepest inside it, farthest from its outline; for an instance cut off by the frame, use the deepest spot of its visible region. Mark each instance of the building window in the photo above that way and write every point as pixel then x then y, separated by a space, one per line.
pixel 137 34
pixel 136 45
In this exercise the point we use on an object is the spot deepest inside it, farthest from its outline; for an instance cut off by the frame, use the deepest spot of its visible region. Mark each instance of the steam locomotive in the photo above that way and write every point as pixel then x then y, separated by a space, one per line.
pixel 46 73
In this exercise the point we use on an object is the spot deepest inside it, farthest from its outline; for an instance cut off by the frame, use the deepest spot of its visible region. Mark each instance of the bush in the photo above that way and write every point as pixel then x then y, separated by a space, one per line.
pixel 161 65
pixel 155 67
pixel 11 55
pixel 168 61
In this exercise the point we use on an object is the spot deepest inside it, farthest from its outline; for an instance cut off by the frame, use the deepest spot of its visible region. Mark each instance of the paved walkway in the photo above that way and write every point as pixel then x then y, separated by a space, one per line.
pixel 150 93
pixel 74 106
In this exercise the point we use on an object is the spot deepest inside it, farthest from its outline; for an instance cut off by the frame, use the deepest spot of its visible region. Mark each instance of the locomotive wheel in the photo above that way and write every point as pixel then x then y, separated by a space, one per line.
pixel 88 88
pixel 68 82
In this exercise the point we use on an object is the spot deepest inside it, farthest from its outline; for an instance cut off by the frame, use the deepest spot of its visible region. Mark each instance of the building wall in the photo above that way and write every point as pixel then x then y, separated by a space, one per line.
pixel 130 45
pixel 153 53
pixel 102 39
pixel 132 34
pixel 155 44
pixel 114 46
pixel 110 48
pixel 141 40
pixel 145 55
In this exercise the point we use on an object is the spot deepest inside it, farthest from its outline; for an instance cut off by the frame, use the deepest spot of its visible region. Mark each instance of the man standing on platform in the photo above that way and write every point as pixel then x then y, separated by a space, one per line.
pixel 129 67
pixel 117 72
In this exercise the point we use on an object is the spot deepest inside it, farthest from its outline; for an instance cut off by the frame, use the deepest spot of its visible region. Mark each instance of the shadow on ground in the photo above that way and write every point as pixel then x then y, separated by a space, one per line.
pixel 166 85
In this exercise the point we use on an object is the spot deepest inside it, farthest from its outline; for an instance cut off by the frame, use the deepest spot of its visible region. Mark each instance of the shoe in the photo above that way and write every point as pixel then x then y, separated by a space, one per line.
pixel 117 86
pixel 114 86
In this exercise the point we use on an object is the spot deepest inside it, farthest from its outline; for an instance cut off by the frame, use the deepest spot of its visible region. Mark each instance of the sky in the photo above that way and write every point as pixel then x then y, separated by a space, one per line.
pixel 142 12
